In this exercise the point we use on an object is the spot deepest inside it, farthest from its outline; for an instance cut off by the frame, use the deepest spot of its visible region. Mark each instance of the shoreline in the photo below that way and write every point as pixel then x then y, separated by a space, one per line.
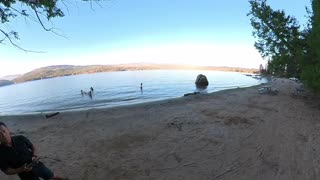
pixel 223 135
pixel 127 105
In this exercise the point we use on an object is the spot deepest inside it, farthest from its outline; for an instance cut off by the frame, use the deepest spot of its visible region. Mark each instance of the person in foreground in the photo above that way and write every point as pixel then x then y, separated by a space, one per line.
pixel 19 156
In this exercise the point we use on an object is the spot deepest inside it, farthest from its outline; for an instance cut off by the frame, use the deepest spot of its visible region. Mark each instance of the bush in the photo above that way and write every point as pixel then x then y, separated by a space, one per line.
pixel 311 76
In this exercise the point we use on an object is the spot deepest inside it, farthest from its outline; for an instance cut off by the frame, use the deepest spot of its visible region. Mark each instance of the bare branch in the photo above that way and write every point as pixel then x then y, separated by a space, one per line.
pixel 40 21
pixel 50 29
pixel 98 4
pixel 65 6
pixel 2 40
pixel 36 11
pixel 7 26
pixel 7 36
pixel 91 6
pixel 23 13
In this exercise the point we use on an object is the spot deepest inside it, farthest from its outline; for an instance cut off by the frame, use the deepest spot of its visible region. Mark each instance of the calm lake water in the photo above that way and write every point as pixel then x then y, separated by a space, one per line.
pixel 111 89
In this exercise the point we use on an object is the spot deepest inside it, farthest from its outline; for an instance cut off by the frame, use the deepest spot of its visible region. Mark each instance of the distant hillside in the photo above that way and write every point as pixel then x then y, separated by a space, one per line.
pixel 10 77
pixel 5 82
pixel 67 70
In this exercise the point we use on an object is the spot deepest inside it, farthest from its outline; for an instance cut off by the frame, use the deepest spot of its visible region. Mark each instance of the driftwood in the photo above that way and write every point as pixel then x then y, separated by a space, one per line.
pixel 188 94
pixel 51 115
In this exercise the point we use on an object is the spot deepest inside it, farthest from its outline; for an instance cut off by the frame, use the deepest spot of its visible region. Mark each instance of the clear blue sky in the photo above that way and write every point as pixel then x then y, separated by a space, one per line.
pixel 200 32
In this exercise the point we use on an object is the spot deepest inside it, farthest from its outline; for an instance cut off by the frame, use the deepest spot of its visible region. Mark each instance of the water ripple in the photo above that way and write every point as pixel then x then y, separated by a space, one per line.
pixel 111 89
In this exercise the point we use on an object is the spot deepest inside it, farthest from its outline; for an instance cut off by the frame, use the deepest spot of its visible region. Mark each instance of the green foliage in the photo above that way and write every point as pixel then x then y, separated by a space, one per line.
pixel 47 7
pixel 311 70
pixel 278 37
pixel 291 52
pixel 314 38
pixel 274 29
pixel 311 75
pixel 35 10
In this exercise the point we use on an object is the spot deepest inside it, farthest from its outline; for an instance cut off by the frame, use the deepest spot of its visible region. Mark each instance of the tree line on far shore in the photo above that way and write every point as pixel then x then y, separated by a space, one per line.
pixel 291 50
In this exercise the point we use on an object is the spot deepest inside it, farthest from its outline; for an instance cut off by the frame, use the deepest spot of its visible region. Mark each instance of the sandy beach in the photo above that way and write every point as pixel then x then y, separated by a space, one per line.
pixel 235 134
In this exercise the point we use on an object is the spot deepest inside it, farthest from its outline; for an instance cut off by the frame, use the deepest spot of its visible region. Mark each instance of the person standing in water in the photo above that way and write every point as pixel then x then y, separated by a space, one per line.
pixel 91 89
pixel 90 94
pixel 141 88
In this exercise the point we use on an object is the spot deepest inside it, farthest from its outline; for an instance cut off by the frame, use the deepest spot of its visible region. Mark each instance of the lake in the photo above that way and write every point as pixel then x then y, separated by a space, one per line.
pixel 111 89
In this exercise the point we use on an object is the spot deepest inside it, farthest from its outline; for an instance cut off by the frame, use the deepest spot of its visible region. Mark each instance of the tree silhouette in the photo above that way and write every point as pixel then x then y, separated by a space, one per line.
pixel 290 50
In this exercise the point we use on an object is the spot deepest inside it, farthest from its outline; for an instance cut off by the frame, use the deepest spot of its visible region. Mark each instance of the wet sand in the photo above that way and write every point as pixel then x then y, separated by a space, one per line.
pixel 234 134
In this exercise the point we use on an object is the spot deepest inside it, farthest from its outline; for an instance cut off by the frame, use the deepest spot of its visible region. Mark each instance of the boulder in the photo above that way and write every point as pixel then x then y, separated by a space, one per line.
pixel 202 81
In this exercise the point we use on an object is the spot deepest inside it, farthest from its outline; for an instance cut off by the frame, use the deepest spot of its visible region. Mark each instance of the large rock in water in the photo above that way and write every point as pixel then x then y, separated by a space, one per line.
pixel 202 81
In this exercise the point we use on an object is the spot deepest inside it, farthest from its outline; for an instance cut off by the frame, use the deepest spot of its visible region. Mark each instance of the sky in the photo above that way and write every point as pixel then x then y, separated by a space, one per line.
pixel 194 32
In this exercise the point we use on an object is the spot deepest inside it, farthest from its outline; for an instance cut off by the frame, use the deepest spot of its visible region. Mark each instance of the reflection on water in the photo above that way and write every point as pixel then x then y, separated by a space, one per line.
pixel 112 89
pixel 202 90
